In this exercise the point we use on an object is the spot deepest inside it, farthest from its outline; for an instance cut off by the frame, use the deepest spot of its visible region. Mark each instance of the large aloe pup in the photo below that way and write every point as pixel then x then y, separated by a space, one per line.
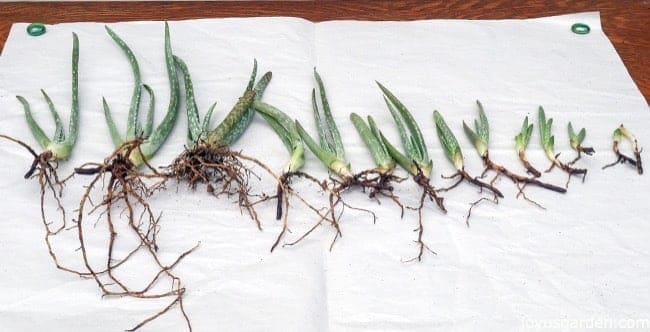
pixel 480 137
pixel 620 133
pixel 150 139
pixel 548 141
pixel 126 189
pixel 415 160
pixel 208 158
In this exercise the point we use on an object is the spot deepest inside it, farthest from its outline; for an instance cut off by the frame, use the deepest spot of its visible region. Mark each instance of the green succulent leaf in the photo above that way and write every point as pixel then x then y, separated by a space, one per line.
pixel 382 158
pixel 194 128
pixel 160 134
pixel 339 166
pixel 59 134
pixel 545 132
pixel 448 141
pixel 576 139
pixel 36 130
pixel 480 145
pixel 482 126
pixel 523 138
pixel 410 133
pixel 148 122
pixel 334 137
pixel 115 134
pixel 401 159
pixel 240 127
pixel 132 118
pixel 285 128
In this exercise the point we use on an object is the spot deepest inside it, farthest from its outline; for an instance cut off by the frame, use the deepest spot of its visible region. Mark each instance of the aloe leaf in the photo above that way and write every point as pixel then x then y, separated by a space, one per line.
pixel 59 135
pixel 448 141
pixel 407 142
pixel 218 136
pixel 336 143
pixel 283 126
pixel 523 138
pixel 377 149
pixel 36 130
pixel 115 134
pixel 194 128
pixel 207 118
pixel 410 122
pixel 148 122
pixel 401 159
pixel 160 134
pixel 545 131
pixel 477 141
pixel 323 138
pixel 137 88
pixel 581 135
pixel 73 126
pixel 482 125
pixel 246 118
pixel 330 160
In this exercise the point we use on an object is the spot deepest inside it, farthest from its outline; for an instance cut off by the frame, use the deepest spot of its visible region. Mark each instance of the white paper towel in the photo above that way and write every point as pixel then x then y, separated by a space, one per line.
pixel 583 259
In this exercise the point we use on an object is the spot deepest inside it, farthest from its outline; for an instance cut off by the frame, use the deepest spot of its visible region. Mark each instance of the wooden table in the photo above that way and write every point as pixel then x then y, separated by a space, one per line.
pixel 624 21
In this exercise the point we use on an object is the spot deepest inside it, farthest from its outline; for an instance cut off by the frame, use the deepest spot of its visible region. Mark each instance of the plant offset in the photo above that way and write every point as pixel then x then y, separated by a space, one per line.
pixel 120 190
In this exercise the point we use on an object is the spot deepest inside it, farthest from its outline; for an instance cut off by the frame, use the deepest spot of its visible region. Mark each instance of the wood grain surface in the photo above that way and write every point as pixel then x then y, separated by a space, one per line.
pixel 625 21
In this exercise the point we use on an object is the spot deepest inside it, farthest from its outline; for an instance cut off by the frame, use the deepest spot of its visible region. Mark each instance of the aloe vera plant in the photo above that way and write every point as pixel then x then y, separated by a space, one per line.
pixel 415 160
pixel 480 137
pixel 208 158
pixel 620 133
pixel 286 130
pixel 149 139
pixel 576 143
pixel 454 154
pixel 548 142
pixel 329 150
pixel 521 142
pixel 60 145
pixel 126 188
pixel 55 148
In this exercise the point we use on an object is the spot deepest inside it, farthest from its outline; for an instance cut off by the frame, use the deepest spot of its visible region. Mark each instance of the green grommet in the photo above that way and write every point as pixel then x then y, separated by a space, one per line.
pixel 580 28
pixel 36 29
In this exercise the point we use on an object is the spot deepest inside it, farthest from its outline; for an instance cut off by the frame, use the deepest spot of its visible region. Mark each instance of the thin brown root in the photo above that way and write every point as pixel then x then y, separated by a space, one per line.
pixel 223 172
pixel 127 192
pixel 494 200
pixel 622 158
pixel 521 193
pixel 420 229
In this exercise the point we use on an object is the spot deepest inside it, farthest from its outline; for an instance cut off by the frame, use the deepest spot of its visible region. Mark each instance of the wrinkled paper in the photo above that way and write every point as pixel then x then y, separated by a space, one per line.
pixel 582 259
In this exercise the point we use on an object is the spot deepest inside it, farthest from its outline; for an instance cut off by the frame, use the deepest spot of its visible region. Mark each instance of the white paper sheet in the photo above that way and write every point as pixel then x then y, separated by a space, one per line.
pixel 583 260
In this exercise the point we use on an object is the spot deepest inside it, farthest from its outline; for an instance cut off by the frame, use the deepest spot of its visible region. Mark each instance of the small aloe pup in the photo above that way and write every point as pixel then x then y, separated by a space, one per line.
pixel 415 160
pixel 124 194
pixel 286 130
pixel 56 148
pixel 576 143
pixel 620 133
pixel 329 150
pixel 208 158
pixel 455 155
pixel 480 137
pixel 548 141
pixel 521 142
